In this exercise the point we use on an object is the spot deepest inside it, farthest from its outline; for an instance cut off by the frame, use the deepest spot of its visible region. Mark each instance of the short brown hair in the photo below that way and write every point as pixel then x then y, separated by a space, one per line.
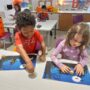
pixel 25 19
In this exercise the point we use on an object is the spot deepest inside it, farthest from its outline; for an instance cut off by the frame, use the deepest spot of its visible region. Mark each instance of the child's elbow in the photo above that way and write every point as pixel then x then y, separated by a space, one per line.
pixel 43 45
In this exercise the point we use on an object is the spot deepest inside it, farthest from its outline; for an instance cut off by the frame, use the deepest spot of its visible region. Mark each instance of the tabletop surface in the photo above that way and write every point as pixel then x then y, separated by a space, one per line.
pixel 44 25
pixel 21 80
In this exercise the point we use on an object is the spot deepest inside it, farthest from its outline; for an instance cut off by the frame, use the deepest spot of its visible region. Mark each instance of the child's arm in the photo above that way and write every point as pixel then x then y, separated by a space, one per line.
pixel 13 16
pixel 84 58
pixel 79 68
pixel 39 15
pixel 57 50
pixel 20 49
pixel 42 43
pixel 43 49
pixel 62 67
pixel 29 65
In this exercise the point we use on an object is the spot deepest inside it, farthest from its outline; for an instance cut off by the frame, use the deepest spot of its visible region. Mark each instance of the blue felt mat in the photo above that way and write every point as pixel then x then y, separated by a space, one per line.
pixel 52 72
pixel 14 62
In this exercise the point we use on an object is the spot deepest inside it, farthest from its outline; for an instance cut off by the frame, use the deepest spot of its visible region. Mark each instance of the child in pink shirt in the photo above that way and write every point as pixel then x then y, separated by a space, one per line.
pixel 73 48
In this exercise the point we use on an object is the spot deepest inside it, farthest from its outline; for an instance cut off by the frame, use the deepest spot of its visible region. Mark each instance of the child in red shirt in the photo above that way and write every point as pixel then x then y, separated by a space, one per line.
pixel 43 15
pixel 26 39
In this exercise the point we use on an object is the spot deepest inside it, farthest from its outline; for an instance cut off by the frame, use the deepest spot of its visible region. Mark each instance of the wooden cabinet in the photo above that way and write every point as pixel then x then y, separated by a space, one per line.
pixel 66 20
pixel 86 17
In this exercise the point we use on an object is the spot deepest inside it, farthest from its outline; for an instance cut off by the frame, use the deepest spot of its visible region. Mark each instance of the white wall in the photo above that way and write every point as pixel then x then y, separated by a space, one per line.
pixel 3 4
pixel 3 7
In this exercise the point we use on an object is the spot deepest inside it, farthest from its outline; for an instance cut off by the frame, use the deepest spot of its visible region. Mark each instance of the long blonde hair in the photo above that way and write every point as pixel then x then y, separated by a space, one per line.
pixel 79 28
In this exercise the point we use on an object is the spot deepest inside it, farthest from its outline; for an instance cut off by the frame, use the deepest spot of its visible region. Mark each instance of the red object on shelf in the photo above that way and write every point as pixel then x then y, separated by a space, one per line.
pixel 74 3
pixel 2 32
pixel 4 35
pixel 17 2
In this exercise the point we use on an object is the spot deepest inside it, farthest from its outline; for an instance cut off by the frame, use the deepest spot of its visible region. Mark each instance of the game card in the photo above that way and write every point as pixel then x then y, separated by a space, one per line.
pixel 54 73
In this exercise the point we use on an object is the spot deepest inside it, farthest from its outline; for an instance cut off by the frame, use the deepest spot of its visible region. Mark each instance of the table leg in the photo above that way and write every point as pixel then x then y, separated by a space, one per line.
pixel 9 32
pixel 48 40
pixel 55 32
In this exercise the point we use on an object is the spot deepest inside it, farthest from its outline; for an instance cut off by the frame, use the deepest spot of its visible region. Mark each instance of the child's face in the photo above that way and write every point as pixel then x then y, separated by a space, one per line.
pixel 44 10
pixel 27 31
pixel 76 41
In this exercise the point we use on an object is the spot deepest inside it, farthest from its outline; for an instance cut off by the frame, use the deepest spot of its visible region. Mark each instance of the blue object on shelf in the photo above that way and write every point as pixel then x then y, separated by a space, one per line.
pixel 24 4
pixel 81 4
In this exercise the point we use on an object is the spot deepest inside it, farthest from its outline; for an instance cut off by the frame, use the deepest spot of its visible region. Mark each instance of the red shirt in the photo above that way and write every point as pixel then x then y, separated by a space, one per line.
pixel 43 16
pixel 29 44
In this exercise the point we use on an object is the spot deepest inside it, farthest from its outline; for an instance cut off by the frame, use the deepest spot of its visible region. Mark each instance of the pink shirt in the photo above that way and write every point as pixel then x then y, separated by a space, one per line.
pixel 69 53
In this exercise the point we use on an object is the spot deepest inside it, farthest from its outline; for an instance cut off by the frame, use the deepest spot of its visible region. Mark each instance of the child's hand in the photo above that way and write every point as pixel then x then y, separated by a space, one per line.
pixel 42 58
pixel 29 67
pixel 13 16
pixel 79 69
pixel 65 69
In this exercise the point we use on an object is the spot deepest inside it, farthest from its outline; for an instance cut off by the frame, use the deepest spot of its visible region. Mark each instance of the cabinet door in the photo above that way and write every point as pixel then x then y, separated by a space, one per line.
pixel 65 21
pixel 86 17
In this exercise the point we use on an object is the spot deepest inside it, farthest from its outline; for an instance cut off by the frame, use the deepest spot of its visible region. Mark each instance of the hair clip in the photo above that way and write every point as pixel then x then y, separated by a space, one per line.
pixel 24 14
